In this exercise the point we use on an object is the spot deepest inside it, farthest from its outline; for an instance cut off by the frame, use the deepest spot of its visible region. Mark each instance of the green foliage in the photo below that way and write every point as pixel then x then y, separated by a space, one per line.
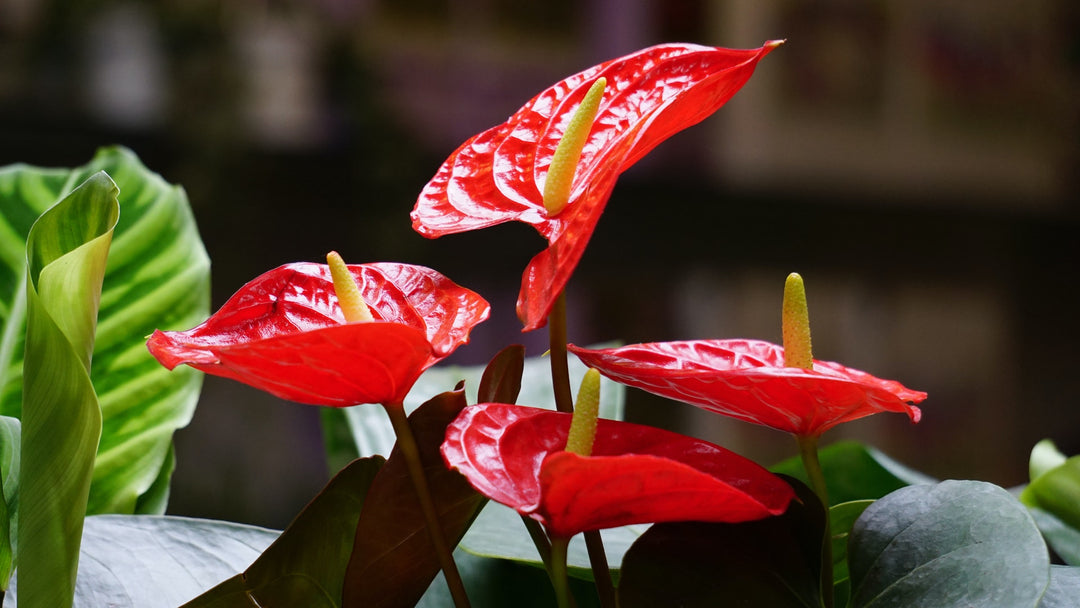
pixel 150 561
pixel 1055 484
pixel 61 420
pixel 82 282
pixel 10 440
pixel 157 276
pixel 393 561
pixel 306 565
pixel 854 471
pixel 953 544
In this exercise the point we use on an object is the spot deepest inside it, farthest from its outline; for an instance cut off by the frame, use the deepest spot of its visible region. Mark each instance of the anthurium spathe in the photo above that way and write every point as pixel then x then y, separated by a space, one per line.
pixel 636 474
pixel 748 380
pixel 285 333
pixel 500 174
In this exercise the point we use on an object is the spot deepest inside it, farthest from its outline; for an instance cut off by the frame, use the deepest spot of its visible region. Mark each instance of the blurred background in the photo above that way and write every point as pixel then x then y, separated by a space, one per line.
pixel 915 160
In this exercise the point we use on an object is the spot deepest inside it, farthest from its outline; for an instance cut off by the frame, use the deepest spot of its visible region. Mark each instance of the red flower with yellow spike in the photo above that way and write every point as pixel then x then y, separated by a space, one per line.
pixel 286 333
pixel 554 163
pixel 782 387
pixel 576 473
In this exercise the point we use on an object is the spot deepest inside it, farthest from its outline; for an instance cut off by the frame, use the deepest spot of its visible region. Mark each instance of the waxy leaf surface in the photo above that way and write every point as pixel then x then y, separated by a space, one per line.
pixel 746 379
pixel 956 543
pixel 284 333
pixel 636 474
pixel 499 174
pixel 393 559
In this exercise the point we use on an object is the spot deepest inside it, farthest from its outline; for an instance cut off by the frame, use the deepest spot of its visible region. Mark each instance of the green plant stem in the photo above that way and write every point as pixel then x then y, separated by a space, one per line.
pixel 601 573
pixel 559 579
pixel 409 449
pixel 540 540
pixel 560 369
pixel 564 402
pixel 809 453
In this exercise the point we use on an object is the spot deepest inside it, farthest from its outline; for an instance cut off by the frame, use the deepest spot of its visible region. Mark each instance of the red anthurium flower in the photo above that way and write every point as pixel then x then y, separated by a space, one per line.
pixel 284 333
pixel 636 474
pixel 746 379
pixel 499 175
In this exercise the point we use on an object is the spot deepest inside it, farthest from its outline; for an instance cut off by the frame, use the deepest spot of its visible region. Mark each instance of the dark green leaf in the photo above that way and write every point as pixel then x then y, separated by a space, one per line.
pixel 773 562
pixel 953 544
pixel 501 381
pixel 306 565
pixel 393 561
pixel 855 472
pixel 841 518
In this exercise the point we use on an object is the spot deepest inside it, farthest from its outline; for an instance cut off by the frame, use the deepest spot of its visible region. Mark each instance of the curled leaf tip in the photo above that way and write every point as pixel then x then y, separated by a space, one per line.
pixel 796 324
pixel 352 303
pixel 586 410
pixel 560 177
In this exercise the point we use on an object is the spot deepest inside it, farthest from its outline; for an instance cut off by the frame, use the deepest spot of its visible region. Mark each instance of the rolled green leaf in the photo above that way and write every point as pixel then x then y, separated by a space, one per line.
pixel 157 276
pixel 61 421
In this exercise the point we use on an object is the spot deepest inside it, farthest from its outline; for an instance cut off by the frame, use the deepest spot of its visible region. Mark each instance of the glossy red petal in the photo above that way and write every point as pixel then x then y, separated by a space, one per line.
pixel 746 379
pixel 498 175
pixel 284 332
pixel 337 366
pixel 637 474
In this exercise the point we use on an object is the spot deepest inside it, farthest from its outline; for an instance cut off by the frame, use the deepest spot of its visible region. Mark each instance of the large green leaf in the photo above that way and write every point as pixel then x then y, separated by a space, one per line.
pixel 954 544
pixel 149 561
pixel 61 422
pixel 157 276
pixel 854 471
pixel 393 560
pixel 306 565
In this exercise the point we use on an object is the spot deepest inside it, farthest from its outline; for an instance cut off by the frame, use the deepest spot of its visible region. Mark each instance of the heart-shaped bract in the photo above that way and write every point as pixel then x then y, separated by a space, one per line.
pixel 499 174
pixel 747 379
pixel 284 333
pixel 636 474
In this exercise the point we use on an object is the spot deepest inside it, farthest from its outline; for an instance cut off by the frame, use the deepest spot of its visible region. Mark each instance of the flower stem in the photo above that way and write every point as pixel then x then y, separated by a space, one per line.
pixel 560 369
pixel 564 402
pixel 605 588
pixel 809 453
pixel 559 579
pixel 540 540
pixel 406 441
